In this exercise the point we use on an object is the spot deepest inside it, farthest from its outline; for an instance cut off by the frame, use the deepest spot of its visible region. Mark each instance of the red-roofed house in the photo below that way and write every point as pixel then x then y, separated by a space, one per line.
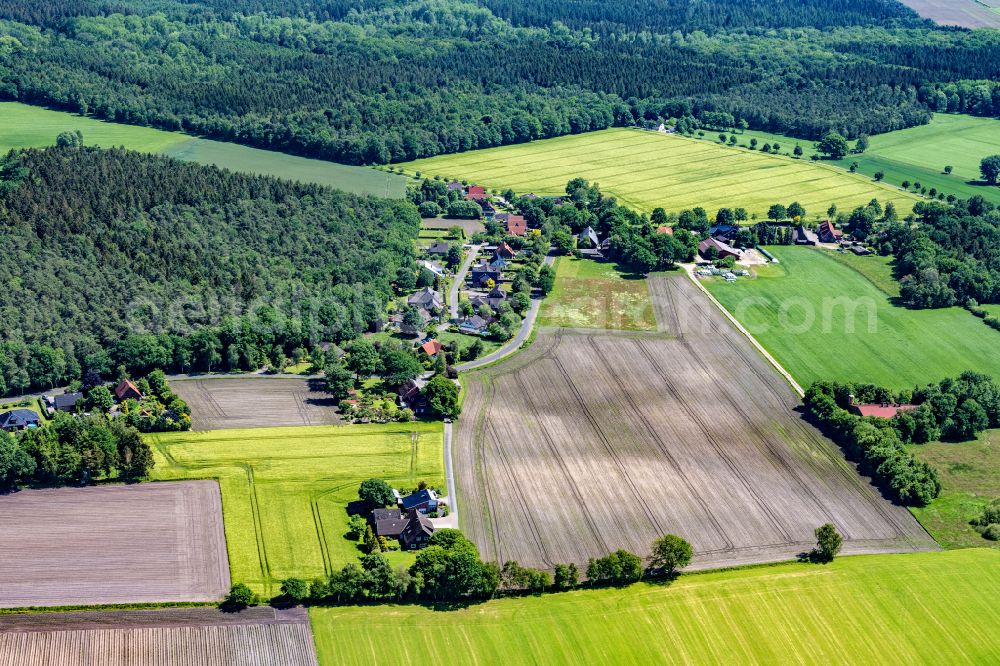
pixel 665 230
pixel 883 410
pixel 722 250
pixel 432 348
pixel 126 390
pixel 828 232
pixel 506 251
pixel 516 226
pixel 476 193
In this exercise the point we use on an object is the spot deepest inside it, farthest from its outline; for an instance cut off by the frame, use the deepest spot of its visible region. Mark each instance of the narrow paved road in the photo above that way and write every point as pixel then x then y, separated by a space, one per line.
pixel 514 343
pixel 451 520
pixel 459 280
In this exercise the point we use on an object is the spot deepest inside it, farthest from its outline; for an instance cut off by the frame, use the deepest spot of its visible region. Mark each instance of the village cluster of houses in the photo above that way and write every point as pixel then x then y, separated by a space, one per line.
pixel 408 521
pixel 829 234
pixel 22 419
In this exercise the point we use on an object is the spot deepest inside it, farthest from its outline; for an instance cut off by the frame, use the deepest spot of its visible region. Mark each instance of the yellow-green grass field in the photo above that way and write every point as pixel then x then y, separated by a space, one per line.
pixel 646 170
pixel 824 319
pixel 920 608
pixel 25 126
pixel 285 491
pixel 591 294
pixel 970 479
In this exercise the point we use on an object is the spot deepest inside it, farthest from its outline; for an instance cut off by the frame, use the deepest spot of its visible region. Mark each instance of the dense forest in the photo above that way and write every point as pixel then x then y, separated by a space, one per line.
pixel 113 258
pixel 391 80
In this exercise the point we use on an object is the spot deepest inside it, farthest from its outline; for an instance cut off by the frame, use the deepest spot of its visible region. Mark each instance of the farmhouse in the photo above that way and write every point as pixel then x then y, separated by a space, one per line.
pixel 588 238
pixel 719 248
pixel 828 232
pixel 63 403
pixel 439 248
pixel 389 523
pixel 417 532
pixel 454 186
pixel 665 230
pixel 432 348
pixel 19 419
pixel 126 390
pixel 476 193
pixel 426 298
pixel 883 410
pixel 422 501
pixel 804 236
pixel 516 225
pixel 488 210
pixel 505 251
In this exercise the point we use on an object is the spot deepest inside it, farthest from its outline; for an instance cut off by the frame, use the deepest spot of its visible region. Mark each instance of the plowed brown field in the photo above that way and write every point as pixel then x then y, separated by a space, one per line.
pixel 219 403
pixel 113 544
pixel 592 440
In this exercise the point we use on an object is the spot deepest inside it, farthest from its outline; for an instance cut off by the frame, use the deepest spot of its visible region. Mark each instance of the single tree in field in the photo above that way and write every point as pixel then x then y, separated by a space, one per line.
pixel 990 168
pixel 240 596
pixel 753 143
pixel 295 589
pixel 831 212
pixel 376 493
pixel 795 210
pixel 670 553
pixel 861 145
pixel 777 212
pixel 828 543
pixel 879 176
pixel 833 145
pixel 905 184
pixel 797 151
pixel 948 169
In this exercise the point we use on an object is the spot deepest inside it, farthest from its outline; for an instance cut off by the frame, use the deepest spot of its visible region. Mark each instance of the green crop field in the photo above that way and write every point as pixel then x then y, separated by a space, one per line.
pixel 970 478
pixel 800 311
pixel 24 126
pixel 591 294
pixel 921 608
pixel 285 490
pixel 646 170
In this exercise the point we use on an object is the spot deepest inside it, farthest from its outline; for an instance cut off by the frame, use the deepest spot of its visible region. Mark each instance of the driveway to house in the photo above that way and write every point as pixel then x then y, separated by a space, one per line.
pixel 515 343
pixel 451 520
pixel 459 280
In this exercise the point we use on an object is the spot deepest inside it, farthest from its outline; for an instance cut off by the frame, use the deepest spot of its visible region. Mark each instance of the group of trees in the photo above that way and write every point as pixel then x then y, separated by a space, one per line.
pixel 117 261
pixel 391 81
pixel 951 258
pixel 73 450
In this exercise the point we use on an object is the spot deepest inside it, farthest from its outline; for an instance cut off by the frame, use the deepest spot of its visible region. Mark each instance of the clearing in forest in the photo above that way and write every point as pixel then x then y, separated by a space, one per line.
pixel 173 636
pixel 823 317
pixel 879 609
pixel 142 543
pixel 645 170
pixel 219 403
pixel 285 491
pixel 25 126
pixel 591 441
pixel 592 294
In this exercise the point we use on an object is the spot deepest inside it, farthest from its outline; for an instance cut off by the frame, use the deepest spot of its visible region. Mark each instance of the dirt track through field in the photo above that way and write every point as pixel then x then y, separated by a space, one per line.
pixel 595 440
pixel 113 544
pixel 167 637
pixel 218 403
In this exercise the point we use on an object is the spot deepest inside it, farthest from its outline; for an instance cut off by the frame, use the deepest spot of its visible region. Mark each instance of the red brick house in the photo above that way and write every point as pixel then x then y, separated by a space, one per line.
pixel 516 225
pixel 829 233
pixel 432 348
pixel 126 390
pixel 476 193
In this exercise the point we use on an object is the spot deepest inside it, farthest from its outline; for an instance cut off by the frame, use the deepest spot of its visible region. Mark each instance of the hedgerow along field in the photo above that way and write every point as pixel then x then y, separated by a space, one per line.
pixel 645 170
pixel 285 491
pixel 970 479
pixel 873 609
pixel 799 310
pixel 592 440
pixel 25 126
pixel 591 294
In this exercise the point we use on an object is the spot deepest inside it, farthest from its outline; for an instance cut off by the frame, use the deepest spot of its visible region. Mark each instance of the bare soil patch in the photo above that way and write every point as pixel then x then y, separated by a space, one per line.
pixel 178 637
pixel 151 542
pixel 470 227
pixel 965 13
pixel 596 440
pixel 219 403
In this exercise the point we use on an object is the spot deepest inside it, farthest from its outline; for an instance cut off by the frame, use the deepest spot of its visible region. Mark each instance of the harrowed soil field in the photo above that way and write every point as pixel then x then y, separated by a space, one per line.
pixel 922 608
pixel 255 401
pixel 592 440
pixel 645 170
pixel 25 126
pixel 285 491
pixel 260 636
pixel 970 479
pixel 823 318
pixel 144 543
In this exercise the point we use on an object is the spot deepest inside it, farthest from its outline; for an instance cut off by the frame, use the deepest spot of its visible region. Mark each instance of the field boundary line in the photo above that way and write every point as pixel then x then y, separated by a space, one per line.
pixel 739 327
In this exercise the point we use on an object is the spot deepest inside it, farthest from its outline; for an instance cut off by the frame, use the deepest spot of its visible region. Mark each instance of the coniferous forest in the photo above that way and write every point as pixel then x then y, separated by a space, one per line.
pixel 378 81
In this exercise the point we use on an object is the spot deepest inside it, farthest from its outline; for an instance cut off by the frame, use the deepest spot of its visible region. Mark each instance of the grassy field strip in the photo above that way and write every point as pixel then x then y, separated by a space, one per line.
pixel 800 311
pixel 861 610
pixel 588 294
pixel 285 490
pixel 646 170
pixel 25 126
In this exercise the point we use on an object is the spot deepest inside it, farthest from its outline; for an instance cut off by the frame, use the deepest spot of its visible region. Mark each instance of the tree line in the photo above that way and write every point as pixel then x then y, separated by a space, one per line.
pixel 123 263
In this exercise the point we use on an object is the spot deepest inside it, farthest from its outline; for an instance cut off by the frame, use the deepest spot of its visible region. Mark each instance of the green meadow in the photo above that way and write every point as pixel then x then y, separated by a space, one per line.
pixel 970 479
pixel 285 491
pixel 823 318
pixel 591 294
pixel 645 170
pixel 24 126
pixel 879 609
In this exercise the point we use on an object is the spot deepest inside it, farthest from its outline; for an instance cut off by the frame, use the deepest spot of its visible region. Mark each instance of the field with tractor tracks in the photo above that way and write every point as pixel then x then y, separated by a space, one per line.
pixel 151 542
pixel 592 440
